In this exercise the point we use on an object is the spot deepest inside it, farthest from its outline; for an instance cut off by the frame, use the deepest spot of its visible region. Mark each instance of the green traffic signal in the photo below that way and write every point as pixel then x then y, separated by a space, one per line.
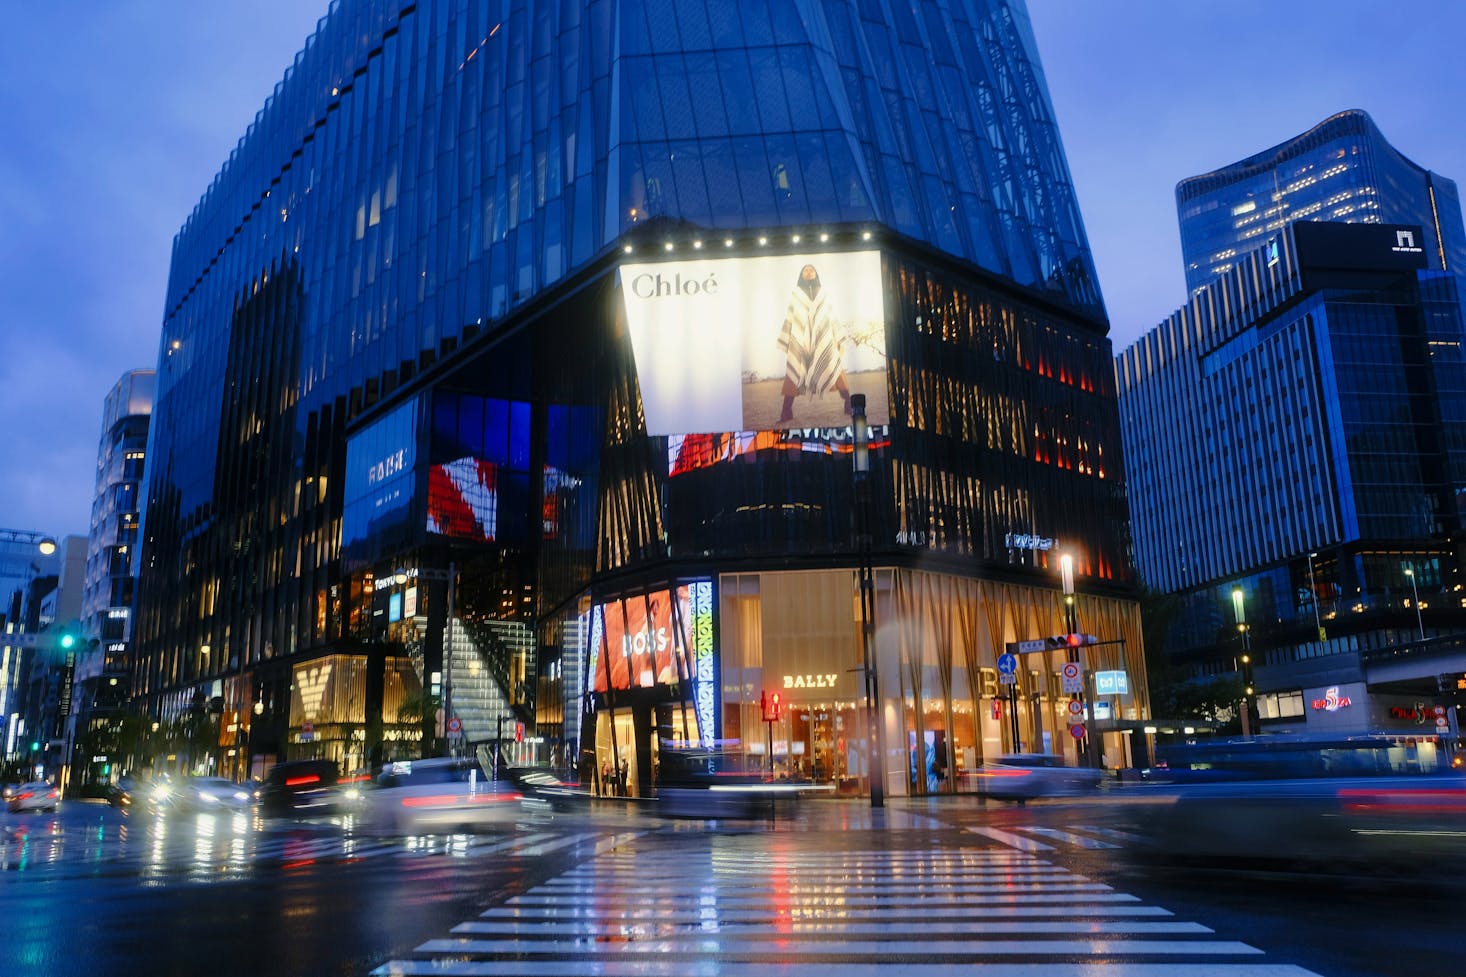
pixel 67 640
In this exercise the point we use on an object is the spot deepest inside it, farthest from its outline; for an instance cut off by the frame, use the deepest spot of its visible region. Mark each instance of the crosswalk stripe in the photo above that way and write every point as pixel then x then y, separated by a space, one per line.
pixel 1114 833
pixel 806 902
pixel 779 918
pixel 781 950
pixel 1008 838
pixel 1069 836
pixel 601 928
pixel 801 890
pixel 721 968
pixel 549 846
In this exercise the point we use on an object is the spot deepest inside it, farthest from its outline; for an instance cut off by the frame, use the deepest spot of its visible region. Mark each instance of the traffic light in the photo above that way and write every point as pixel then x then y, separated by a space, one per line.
pixel 1069 641
pixel 774 711
pixel 68 640
pixel 768 707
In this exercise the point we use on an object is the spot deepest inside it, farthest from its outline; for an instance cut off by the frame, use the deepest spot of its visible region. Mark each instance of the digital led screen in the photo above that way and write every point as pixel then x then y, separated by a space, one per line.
pixel 379 484
pixel 757 344
pixel 634 643
pixel 463 499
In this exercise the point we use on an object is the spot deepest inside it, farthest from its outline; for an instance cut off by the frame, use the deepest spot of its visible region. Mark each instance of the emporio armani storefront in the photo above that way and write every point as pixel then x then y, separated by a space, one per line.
pixel 942 708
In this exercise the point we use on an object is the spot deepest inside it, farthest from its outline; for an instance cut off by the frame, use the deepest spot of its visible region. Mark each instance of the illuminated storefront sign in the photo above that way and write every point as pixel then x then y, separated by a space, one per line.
pixel 757 344
pixel 647 642
pixel 1025 541
pixel 1331 701
pixel 634 644
pixel 706 689
pixel 826 681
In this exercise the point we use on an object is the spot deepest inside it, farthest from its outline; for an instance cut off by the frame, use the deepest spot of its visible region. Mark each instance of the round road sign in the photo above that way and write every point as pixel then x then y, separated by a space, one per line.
pixel 1076 708
pixel 1077 731
pixel 1007 664
pixel 1070 670
pixel 455 725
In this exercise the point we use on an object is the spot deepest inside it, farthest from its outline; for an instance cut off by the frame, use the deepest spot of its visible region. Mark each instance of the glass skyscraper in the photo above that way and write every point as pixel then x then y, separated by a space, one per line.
pixel 1342 169
pixel 1298 431
pixel 517 339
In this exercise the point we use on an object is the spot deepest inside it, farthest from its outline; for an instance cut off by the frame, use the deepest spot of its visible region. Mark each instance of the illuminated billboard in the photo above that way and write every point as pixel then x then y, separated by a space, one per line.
pixel 757 344
pixel 646 641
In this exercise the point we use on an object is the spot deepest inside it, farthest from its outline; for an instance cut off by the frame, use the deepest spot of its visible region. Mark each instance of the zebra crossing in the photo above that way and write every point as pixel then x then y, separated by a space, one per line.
pixel 205 851
pixel 1040 838
pixel 740 910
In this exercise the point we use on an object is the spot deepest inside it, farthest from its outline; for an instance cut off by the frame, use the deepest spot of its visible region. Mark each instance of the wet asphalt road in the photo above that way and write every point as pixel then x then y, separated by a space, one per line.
pixel 924 886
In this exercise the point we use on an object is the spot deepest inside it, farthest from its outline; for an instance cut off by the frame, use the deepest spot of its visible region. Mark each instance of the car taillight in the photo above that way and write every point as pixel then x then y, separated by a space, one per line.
pixel 21 797
pixel 300 781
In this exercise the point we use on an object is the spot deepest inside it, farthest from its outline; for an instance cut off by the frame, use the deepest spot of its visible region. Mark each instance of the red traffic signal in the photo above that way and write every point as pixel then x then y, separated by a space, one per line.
pixel 768 707
pixel 1070 640
pixel 519 732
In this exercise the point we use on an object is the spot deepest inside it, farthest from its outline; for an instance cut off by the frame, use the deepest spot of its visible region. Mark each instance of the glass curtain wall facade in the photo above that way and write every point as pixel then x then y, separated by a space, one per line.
pixel 111 571
pixel 1298 431
pixel 364 379
pixel 1342 169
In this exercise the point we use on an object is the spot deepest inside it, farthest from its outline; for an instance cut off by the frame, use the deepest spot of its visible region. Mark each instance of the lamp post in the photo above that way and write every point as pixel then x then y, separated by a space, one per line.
pixel 1087 748
pixel 1415 592
pixel 1240 612
pixel 860 470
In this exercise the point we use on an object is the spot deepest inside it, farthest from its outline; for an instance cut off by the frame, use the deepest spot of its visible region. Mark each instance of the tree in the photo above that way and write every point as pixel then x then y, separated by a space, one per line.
pixel 1174 694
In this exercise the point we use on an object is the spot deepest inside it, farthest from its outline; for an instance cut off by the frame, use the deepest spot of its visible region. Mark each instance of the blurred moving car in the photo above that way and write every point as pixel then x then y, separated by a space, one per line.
pixel 35 796
pixel 541 786
pixel 1025 776
pixel 436 796
pixel 9 791
pixel 300 787
pixel 716 783
pixel 1384 828
pixel 213 794
pixel 122 792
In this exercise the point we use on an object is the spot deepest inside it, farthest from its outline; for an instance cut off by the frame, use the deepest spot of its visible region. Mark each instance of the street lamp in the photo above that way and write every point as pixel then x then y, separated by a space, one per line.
pixel 1240 612
pixel 1415 591
pixel 860 471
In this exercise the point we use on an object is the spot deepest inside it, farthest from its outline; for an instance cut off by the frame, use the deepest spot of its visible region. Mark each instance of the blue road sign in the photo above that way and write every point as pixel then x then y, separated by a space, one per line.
pixel 1007 664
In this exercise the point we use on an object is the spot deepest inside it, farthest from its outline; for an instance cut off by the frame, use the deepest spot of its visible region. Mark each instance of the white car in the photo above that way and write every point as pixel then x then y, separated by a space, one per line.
pixel 1023 776
pixel 36 796
pixel 212 794
pixel 439 795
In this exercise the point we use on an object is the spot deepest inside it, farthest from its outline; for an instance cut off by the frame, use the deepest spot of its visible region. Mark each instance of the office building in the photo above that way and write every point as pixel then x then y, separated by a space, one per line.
pixel 506 393
pixel 107 598
pixel 1296 433
pixel 1342 169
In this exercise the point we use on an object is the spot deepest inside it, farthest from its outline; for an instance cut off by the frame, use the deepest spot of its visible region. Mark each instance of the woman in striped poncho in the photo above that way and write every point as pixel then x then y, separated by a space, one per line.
pixel 811 346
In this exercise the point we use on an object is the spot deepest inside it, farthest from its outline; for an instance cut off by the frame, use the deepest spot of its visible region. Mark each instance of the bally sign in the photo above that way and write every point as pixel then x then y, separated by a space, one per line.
pixel 810 681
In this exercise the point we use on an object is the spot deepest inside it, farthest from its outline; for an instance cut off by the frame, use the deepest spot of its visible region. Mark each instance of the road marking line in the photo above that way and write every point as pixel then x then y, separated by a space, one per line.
pixel 720 968
pixel 1008 838
pixel 842 928
pixel 774 917
pixel 1069 836
pixel 782 950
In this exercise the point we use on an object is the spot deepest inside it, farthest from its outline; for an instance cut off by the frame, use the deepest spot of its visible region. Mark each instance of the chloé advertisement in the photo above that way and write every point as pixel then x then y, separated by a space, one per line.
pixel 757 344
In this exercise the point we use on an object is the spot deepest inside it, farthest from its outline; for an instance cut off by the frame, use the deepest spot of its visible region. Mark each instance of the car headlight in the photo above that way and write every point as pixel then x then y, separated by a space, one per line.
pixel 160 793
pixel 206 796
pixel 240 795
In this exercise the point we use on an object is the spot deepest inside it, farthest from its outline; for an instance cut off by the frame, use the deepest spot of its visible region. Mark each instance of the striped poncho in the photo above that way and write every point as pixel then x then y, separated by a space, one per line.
pixel 811 347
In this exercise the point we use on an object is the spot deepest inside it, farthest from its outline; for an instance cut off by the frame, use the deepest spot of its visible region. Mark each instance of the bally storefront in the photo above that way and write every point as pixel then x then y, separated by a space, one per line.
pixel 692 672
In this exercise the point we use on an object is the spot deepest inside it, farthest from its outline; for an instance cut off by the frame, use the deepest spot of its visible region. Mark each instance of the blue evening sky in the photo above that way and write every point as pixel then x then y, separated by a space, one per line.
pixel 117 114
